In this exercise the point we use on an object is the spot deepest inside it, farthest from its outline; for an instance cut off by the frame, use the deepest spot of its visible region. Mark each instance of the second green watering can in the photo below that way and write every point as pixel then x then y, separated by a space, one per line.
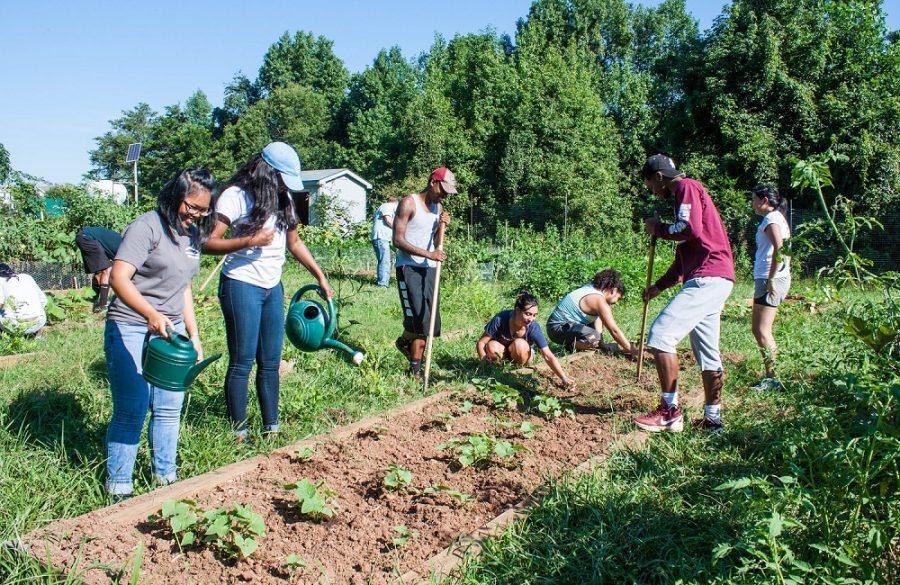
pixel 310 327
pixel 171 364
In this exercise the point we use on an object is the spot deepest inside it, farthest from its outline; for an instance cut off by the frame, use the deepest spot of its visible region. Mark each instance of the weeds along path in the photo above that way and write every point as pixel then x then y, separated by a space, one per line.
pixel 442 484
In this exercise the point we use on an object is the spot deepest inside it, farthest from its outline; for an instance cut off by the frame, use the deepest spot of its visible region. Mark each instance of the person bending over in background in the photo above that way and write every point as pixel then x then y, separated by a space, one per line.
pixel 512 334
pixel 703 260
pixel 771 275
pixel 98 247
pixel 578 320
pixel 151 276
pixel 257 207
pixel 415 227
pixel 22 303
pixel 382 232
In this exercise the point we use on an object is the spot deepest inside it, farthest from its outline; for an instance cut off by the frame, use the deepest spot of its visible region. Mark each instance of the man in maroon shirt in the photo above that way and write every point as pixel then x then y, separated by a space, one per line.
pixel 704 264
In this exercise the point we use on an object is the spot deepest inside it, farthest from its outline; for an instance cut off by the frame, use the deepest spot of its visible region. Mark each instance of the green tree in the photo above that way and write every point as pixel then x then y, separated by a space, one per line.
pixel 305 60
pixel 5 167
pixel 376 108
pixel 108 158
pixel 562 157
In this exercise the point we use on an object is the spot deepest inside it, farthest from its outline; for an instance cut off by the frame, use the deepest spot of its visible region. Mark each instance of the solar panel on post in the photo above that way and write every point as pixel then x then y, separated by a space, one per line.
pixel 134 152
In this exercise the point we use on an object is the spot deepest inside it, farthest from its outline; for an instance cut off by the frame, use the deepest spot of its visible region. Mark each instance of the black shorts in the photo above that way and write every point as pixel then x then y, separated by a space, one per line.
pixel 92 254
pixel 416 287
pixel 566 334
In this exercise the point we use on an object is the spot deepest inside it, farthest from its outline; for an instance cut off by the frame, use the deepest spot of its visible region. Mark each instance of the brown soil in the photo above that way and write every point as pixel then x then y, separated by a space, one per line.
pixel 355 546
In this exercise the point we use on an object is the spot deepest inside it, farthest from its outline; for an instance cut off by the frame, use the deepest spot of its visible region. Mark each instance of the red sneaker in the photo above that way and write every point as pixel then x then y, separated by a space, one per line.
pixel 662 419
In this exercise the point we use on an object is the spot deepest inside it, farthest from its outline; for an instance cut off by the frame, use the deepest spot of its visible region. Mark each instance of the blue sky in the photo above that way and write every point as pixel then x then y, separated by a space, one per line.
pixel 69 67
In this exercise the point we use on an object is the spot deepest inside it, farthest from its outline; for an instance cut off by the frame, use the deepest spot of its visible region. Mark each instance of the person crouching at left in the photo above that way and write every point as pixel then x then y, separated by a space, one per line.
pixel 512 334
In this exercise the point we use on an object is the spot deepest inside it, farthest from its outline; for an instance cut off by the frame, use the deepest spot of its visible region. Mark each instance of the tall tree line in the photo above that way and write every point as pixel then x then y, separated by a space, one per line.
pixel 553 122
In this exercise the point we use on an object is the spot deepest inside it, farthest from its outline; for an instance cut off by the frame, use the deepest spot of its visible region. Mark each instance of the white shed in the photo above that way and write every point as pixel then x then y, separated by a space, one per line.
pixel 346 188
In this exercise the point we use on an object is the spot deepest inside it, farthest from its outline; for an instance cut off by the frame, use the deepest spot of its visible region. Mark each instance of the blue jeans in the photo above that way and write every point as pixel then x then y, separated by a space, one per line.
pixel 383 254
pixel 254 326
pixel 132 397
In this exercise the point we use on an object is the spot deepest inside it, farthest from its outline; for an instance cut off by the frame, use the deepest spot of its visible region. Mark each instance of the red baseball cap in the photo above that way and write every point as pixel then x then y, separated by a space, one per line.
pixel 446 178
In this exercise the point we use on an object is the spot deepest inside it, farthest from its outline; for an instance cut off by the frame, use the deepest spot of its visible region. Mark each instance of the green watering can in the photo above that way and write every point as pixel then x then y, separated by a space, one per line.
pixel 171 364
pixel 310 327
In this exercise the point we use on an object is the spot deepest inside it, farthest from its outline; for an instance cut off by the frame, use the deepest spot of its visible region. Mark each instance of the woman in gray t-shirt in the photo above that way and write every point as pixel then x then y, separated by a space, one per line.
pixel 151 276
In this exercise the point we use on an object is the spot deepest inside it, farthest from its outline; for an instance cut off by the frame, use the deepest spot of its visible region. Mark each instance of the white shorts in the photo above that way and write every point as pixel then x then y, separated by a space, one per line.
pixel 694 311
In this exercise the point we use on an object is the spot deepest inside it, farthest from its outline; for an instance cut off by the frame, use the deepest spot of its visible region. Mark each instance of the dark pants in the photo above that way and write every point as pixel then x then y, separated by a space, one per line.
pixel 93 255
pixel 416 287
pixel 254 326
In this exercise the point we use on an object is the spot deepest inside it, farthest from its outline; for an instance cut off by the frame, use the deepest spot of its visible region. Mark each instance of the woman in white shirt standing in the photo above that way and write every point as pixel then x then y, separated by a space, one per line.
pixel 256 205
pixel 22 303
pixel 771 275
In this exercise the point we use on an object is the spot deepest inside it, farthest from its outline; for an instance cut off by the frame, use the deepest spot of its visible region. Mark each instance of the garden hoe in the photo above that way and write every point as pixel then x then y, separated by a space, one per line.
pixel 439 239
pixel 640 364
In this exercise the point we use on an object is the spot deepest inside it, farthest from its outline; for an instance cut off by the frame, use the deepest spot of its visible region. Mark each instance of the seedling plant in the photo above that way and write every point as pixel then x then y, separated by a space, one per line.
pixel 479 450
pixel 397 478
pixel 552 407
pixel 464 498
pixel 232 532
pixel 315 501
pixel 404 535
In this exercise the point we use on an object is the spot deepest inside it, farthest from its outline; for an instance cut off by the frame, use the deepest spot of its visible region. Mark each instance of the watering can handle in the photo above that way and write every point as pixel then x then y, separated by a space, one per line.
pixel 169 330
pixel 332 322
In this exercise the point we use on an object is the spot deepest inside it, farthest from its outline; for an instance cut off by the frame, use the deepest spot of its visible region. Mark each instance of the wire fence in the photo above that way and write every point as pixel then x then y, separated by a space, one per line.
pixel 52 275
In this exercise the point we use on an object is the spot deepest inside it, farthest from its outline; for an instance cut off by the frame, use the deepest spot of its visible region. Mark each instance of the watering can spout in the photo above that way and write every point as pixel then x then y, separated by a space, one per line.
pixel 355 356
pixel 196 369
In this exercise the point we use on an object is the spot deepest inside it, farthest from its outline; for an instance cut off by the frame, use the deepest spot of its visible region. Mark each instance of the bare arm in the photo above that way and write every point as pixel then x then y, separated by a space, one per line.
pixel 601 308
pixel 304 256
pixel 121 283
pixel 190 321
pixel 774 234
pixel 218 244
pixel 554 364
pixel 389 220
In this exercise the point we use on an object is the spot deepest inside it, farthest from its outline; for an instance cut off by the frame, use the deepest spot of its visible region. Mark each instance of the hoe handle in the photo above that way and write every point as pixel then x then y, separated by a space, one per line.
pixel 640 363
pixel 429 343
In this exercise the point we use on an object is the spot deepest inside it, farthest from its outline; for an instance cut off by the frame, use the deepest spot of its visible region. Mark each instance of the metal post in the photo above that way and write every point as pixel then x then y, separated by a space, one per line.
pixel 135 184
pixel 566 216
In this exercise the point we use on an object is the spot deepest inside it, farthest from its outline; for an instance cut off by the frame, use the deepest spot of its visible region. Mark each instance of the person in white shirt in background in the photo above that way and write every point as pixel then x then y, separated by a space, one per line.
pixel 22 303
pixel 382 234
pixel 771 275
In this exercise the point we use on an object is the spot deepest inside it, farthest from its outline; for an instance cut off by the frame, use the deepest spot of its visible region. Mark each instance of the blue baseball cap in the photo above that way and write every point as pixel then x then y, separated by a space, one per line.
pixel 283 158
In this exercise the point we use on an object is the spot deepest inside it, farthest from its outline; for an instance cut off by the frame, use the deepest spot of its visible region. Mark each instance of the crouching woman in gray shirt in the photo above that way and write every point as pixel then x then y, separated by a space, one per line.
pixel 151 276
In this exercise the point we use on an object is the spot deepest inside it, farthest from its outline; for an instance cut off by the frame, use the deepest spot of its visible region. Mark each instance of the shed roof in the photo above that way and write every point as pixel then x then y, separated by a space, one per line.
pixel 321 176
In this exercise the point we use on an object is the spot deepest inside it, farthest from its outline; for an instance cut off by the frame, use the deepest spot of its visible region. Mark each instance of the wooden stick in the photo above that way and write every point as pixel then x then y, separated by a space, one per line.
pixel 646 304
pixel 211 274
pixel 434 304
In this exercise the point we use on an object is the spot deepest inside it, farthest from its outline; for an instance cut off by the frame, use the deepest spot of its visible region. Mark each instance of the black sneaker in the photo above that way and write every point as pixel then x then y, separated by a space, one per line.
pixel 704 424
pixel 404 346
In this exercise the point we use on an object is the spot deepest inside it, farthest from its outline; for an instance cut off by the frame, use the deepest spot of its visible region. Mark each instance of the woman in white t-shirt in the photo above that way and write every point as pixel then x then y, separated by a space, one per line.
pixel 771 275
pixel 256 205
pixel 22 303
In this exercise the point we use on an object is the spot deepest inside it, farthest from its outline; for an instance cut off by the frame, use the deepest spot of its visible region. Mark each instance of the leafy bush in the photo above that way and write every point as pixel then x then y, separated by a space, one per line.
pixel 231 532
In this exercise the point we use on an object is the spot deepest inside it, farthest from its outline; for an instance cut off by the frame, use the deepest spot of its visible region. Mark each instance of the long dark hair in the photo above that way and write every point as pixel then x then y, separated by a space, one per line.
pixel 6 271
pixel 609 279
pixel 260 181
pixel 172 196
pixel 771 193
pixel 525 300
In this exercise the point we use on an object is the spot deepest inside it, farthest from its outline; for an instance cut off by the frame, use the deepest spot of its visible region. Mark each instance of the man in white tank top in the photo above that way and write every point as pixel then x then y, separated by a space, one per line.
pixel 415 227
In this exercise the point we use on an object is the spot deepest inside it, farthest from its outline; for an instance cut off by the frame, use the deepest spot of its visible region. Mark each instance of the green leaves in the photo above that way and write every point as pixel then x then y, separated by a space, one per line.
pixel 397 477
pixel 316 501
pixel 404 535
pixel 552 407
pixel 480 450
pixel 230 532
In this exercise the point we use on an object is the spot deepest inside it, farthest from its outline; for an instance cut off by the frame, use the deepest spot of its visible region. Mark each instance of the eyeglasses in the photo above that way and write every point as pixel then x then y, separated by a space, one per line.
pixel 200 211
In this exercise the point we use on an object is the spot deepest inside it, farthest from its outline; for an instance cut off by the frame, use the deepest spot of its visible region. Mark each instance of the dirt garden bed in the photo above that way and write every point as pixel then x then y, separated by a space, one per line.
pixel 356 544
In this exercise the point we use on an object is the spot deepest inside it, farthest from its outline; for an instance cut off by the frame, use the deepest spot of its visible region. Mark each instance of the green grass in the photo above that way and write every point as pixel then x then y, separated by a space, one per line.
pixel 802 488
pixel 54 410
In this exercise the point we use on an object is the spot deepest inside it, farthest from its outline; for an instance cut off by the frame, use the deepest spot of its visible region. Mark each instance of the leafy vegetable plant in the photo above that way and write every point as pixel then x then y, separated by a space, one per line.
pixel 480 450
pixel 404 535
pixel 397 477
pixel 305 453
pixel 316 501
pixel 552 407
pixel 231 531
pixel 502 396
pixel 444 489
